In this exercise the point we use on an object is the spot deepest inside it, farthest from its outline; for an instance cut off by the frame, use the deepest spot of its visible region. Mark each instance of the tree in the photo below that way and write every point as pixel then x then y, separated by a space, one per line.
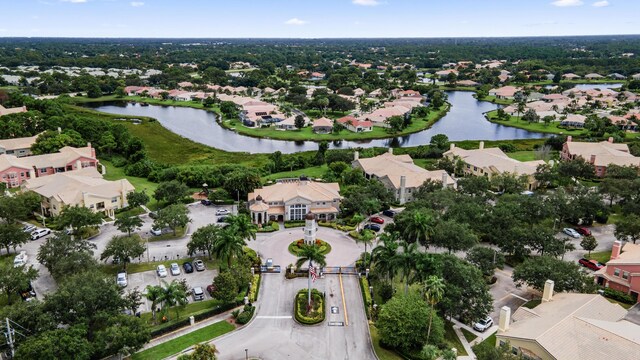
pixel 520 108
pixel 310 253
pixel 137 198
pixel 78 218
pixel 225 287
pixel 440 142
pixel 128 224
pixel 13 280
pixel 52 141
pixel 175 294
pixel 107 143
pixel 383 255
pixel 433 293
pixel 418 227
pixel 173 217
pixel 123 248
pixel 589 243
pixel 395 123
pixel 366 237
pixel 454 236
pixel 229 109
pixel 531 116
pixel 228 245
pixel 64 255
pixel 12 235
pixel 299 121
pixel 319 159
pixel 536 271
pixel 204 239
pixel 133 300
pixel 171 191
pixel 578 168
pixel 404 261
pixel 69 343
pixel 242 226
pixel 486 259
pixel 628 228
pixel 403 321
pixel 466 295
pixel 241 182
pixel 201 351
pixel 154 294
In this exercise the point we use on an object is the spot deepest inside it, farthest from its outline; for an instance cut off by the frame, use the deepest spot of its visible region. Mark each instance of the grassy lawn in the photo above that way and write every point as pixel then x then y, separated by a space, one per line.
pixel 626 306
pixel 523 155
pixel 424 163
pixel 532 303
pixel 490 341
pixel 314 172
pixel 552 128
pixel 494 100
pixel 468 335
pixel 170 236
pixel 178 344
pixel 383 354
pixel 185 312
pixel 600 256
pixel 141 184
pixel 452 340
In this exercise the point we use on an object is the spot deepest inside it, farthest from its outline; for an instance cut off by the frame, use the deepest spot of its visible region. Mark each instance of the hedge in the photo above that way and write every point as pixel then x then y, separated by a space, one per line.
pixel 305 320
pixel 205 314
pixel 246 314
pixel 354 234
pixel 337 226
pixel 366 295
pixel 292 224
pixel 618 296
pixel 255 288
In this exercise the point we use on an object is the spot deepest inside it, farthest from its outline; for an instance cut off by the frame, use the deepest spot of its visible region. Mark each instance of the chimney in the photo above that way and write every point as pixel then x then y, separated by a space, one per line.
pixel 569 138
pixel 89 145
pixel 615 250
pixel 391 151
pixel 452 146
pixel 444 179
pixel 403 185
pixel 356 155
pixel 547 295
pixel 593 159
pixel 610 139
pixel 481 145
pixel 505 318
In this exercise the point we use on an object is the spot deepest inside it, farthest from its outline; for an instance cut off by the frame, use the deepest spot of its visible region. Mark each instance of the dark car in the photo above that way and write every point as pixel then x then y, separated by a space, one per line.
pixel 591 264
pixel 153 215
pixel 222 219
pixel 210 289
pixel 188 268
pixel 377 220
pixel 373 227
pixel 583 231
pixel 206 202
pixel 390 213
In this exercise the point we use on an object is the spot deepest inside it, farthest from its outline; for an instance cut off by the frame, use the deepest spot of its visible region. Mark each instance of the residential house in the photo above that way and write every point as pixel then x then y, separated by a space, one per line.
pixel 570 326
pixel 14 170
pixel 493 161
pixel 292 199
pixel 635 76
pixel 17 147
pixel 554 98
pixel 443 74
pixel 570 76
pixel 15 110
pixel 599 154
pixel 357 92
pixel 355 125
pixel 257 113
pixel 322 125
pixel 84 187
pixel 399 174
pixel 316 76
pixel 287 124
pixel 622 272
pixel 593 76
pixel 505 92
pixel 185 85
pixel 616 76
pixel 467 83
pixel 573 120
pixel 379 116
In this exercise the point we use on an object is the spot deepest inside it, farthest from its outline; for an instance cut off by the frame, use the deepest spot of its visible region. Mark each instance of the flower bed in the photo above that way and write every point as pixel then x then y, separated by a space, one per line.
pixel 295 246
pixel 313 315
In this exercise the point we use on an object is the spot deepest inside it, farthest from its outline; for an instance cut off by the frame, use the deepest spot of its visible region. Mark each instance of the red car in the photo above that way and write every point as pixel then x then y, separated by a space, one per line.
pixel 377 220
pixel 583 231
pixel 591 264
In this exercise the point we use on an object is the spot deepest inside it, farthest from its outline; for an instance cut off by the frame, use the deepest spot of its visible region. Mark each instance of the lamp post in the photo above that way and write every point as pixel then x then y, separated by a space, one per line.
pixel 246 354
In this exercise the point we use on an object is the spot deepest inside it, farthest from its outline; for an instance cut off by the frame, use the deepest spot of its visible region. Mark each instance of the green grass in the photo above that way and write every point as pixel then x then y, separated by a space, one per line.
pixel 141 184
pixel 490 341
pixel 185 311
pixel 183 342
pixel 383 354
pixel 624 305
pixel 424 163
pixel 600 256
pixel 468 335
pixel 314 172
pixel 494 100
pixel 523 155
pixel 170 236
pixel 541 127
pixel 532 303
pixel 294 248
pixel 452 340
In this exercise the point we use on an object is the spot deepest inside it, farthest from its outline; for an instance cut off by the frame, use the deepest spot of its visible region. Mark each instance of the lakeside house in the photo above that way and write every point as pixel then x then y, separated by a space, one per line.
pixel 573 120
pixel 505 92
pixel 322 126
pixel 355 125
pixel 379 117
pixel 18 147
pixel 593 76
pixel 599 154
pixel 292 199
pixel 489 162
pixel 399 174
pixel 622 271
pixel 84 187
pixel 570 76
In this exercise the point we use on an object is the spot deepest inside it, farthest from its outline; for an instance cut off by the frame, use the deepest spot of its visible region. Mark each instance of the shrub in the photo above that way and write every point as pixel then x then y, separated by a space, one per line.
pixel 292 224
pixel 255 287
pixel 354 234
pixel 235 313
pixel 366 295
pixel 618 296
pixel 386 291
pixel 246 315
pixel 316 314
pixel 336 226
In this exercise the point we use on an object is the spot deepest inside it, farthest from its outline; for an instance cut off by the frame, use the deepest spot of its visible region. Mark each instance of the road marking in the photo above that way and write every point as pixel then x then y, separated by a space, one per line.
pixel 519 297
pixel 344 304
pixel 273 317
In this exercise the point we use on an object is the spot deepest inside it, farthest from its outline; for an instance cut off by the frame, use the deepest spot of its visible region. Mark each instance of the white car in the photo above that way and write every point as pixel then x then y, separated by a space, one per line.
pixel 38 233
pixel 223 212
pixel 175 269
pixel 20 259
pixel 121 279
pixel 571 232
pixel 483 324
pixel 162 271
pixel 28 228
pixel 156 232
pixel 198 293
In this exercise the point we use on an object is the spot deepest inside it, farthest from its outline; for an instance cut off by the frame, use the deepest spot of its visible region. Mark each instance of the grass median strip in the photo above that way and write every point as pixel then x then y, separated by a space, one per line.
pixel 183 342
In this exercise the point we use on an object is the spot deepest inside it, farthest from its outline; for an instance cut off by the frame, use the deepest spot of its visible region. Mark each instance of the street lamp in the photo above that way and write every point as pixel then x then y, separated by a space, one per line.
pixel 246 354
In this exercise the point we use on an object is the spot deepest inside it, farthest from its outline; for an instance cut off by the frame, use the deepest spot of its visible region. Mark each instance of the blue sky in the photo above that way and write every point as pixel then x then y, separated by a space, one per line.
pixel 317 18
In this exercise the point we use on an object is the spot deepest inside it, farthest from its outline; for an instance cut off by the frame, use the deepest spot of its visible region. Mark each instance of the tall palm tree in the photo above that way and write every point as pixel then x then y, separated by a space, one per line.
pixel 228 245
pixel 433 293
pixel 174 294
pixel 243 226
pixel 312 254
pixel 154 294
pixel 383 254
pixel 366 238
pixel 419 228
pixel 405 261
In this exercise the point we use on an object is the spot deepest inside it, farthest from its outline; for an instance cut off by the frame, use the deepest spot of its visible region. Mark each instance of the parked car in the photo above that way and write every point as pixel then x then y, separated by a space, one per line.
pixel 583 231
pixel 222 212
pixel 222 219
pixel 571 232
pixel 188 268
pixel 121 279
pixel 591 264
pixel 175 269
pixel 20 259
pixel 153 215
pixel 199 265
pixel 210 289
pixel 38 233
pixel 156 232
pixel 483 324
pixel 162 271
pixel 198 293
pixel 28 228
pixel 390 213
pixel 206 202
pixel 372 227
pixel 377 220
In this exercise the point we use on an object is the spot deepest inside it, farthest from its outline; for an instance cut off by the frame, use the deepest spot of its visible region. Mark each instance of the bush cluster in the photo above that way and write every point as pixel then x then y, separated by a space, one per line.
pixel 246 314
pixel 618 296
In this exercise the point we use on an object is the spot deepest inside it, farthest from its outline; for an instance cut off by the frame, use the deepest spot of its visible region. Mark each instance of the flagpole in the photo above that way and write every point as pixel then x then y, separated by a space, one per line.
pixel 309 294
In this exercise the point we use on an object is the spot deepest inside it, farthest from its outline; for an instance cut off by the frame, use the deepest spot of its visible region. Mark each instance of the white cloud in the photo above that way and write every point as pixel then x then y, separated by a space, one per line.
pixel 295 21
pixel 137 3
pixel 366 2
pixel 600 3
pixel 75 1
pixel 565 3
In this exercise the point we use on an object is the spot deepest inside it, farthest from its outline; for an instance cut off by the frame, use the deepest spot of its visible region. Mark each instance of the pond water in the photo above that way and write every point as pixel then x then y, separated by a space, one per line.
pixel 464 121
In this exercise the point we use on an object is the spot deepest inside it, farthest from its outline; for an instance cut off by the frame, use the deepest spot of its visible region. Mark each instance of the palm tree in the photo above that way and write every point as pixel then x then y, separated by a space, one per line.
pixel 154 294
pixel 243 226
pixel 366 237
pixel 357 218
pixel 383 254
pixel 312 254
pixel 229 245
pixel 433 293
pixel 174 294
pixel 405 261
pixel 419 228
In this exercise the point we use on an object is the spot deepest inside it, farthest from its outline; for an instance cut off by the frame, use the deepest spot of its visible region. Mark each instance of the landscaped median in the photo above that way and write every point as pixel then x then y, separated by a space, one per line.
pixel 295 247
pixel 306 315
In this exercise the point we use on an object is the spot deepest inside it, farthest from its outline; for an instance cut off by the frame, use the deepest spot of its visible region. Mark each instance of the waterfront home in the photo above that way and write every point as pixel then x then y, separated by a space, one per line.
pixel 322 125
pixel 593 76
pixel 18 147
pixel 570 76
pixel 379 116
pixel 443 74
pixel 599 154
pixel 355 125
pixel 573 120
pixel 616 76
pixel 505 92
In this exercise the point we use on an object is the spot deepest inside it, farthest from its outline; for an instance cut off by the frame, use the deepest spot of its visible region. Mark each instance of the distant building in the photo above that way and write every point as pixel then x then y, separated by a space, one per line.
pixel 322 125
pixel 17 147
pixel 600 154
pixel 622 271
pixel 355 125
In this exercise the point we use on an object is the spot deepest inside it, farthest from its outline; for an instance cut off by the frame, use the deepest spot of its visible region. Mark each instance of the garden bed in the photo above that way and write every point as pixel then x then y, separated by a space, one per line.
pixel 295 246
pixel 313 315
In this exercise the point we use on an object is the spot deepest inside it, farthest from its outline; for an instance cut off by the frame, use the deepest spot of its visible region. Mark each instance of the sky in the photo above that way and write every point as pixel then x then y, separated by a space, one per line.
pixel 316 18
